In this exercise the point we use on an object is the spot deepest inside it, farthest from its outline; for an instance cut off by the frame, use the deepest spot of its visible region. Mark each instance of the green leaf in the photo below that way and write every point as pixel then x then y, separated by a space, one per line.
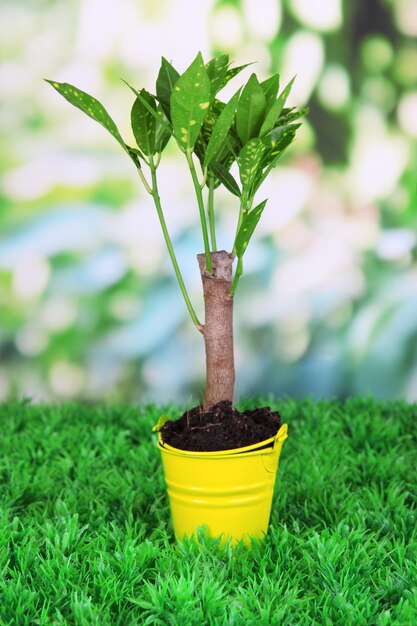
pixel 204 136
pixel 278 134
pixel 250 110
pixel 280 139
pixel 291 115
pixel 270 88
pixel 135 155
pixel 275 110
pixel 158 114
pixel 216 70
pixel 162 135
pixel 221 129
pixel 249 222
pixel 249 161
pixel 232 72
pixel 90 106
pixel 230 150
pixel 190 101
pixel 221 172
pixel 167 77
pixel 144 124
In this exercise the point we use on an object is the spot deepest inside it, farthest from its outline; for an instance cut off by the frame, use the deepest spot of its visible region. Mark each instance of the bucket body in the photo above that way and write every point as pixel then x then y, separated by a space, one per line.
pixel 229 492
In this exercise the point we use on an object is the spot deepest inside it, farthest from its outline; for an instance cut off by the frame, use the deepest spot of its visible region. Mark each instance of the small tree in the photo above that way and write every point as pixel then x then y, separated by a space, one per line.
pixel 252 129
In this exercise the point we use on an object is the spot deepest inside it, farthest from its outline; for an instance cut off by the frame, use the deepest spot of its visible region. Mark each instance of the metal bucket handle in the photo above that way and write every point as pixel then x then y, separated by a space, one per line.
pixel 271 458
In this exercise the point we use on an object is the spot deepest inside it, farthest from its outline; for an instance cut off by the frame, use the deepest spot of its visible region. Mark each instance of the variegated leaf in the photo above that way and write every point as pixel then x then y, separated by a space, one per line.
pixel 162 136
pixel 221 129
pixel 190 100
pixel 275 111
pixel 278 143
pixel 167 77
pixel 90 106
pixel 232 72
pixel 249 161
pixel 270 88
pixel 203 138
pixel 277 134
pixel 249 222
pixel 143 123
pixel 221 172
pixel 216 70
pixel 291 115
pixel 157 114
pixel 250 110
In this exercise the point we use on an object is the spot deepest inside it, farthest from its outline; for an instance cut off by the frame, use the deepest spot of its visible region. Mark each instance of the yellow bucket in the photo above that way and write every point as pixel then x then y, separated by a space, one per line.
pixel 229 492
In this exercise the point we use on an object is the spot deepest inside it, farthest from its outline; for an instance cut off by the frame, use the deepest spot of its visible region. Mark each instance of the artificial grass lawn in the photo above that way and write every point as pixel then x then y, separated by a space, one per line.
pixel 85 534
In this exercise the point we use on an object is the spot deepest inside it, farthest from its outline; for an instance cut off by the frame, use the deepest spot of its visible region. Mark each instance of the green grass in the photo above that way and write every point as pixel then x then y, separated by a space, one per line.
pixel 85 534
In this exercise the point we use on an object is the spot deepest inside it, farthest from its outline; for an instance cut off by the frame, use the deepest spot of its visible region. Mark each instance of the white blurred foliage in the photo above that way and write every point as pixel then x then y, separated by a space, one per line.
pixel 299 275
pixel 226 28
pixel 30 277
pixel 406 16
pixel 35 179
pixel 31 339
pixel 407 113
pixel 303 58
pixel 378 160
pixel 321 15
pixel 396 243
pixel 262 18
pixel 66 379
pixel 58 313
pixel 288 189
pixel 334 87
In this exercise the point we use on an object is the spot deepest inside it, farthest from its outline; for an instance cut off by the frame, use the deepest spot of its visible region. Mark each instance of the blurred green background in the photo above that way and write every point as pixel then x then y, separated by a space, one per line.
pixel 89 307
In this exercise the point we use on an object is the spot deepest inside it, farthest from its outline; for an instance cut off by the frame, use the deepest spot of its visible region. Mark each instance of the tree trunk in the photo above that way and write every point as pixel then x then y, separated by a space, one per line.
pixel 218 328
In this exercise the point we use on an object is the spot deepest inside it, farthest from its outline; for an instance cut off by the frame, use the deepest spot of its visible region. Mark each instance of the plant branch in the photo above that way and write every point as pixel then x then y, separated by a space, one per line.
pixel 144 181
pixel 245 205
pixel 200 201
pixel 211 214
pixel 238 274
pixel 157 201
pixel 203 182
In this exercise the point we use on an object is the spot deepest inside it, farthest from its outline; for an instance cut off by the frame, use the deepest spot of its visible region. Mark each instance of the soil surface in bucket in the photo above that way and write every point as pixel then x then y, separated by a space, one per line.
pixel 221 428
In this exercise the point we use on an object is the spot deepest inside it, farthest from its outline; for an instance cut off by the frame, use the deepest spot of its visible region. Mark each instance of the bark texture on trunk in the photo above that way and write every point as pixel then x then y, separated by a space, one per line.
pixel 218 328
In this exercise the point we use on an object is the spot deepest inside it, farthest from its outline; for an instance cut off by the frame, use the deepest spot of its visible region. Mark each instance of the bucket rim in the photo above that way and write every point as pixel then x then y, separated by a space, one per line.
pixel 262 447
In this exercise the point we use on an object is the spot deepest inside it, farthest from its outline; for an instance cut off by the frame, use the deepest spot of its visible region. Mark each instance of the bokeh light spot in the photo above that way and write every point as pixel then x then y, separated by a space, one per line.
pixel 304 58
pixel 30 277
pixel 406 16
pixel 334 87
pixel 323 16
pixel 407 113
pixel 377 53
pixel 226 28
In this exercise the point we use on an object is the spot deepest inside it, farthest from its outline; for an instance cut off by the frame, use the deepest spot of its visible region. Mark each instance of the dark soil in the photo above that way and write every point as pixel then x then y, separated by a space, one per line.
pixel 221 428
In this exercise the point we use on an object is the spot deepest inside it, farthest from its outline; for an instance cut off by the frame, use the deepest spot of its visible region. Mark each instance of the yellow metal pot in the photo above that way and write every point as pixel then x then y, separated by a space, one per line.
pixel 229 492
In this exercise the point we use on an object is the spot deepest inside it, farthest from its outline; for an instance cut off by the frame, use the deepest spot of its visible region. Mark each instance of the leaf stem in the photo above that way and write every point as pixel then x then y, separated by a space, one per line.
pixel 157 201
pixel 145 182
pixel 245 205
pixel 239 222
pixel 203 182
pixel 238 274
pixel 211 214
pixel 201 209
